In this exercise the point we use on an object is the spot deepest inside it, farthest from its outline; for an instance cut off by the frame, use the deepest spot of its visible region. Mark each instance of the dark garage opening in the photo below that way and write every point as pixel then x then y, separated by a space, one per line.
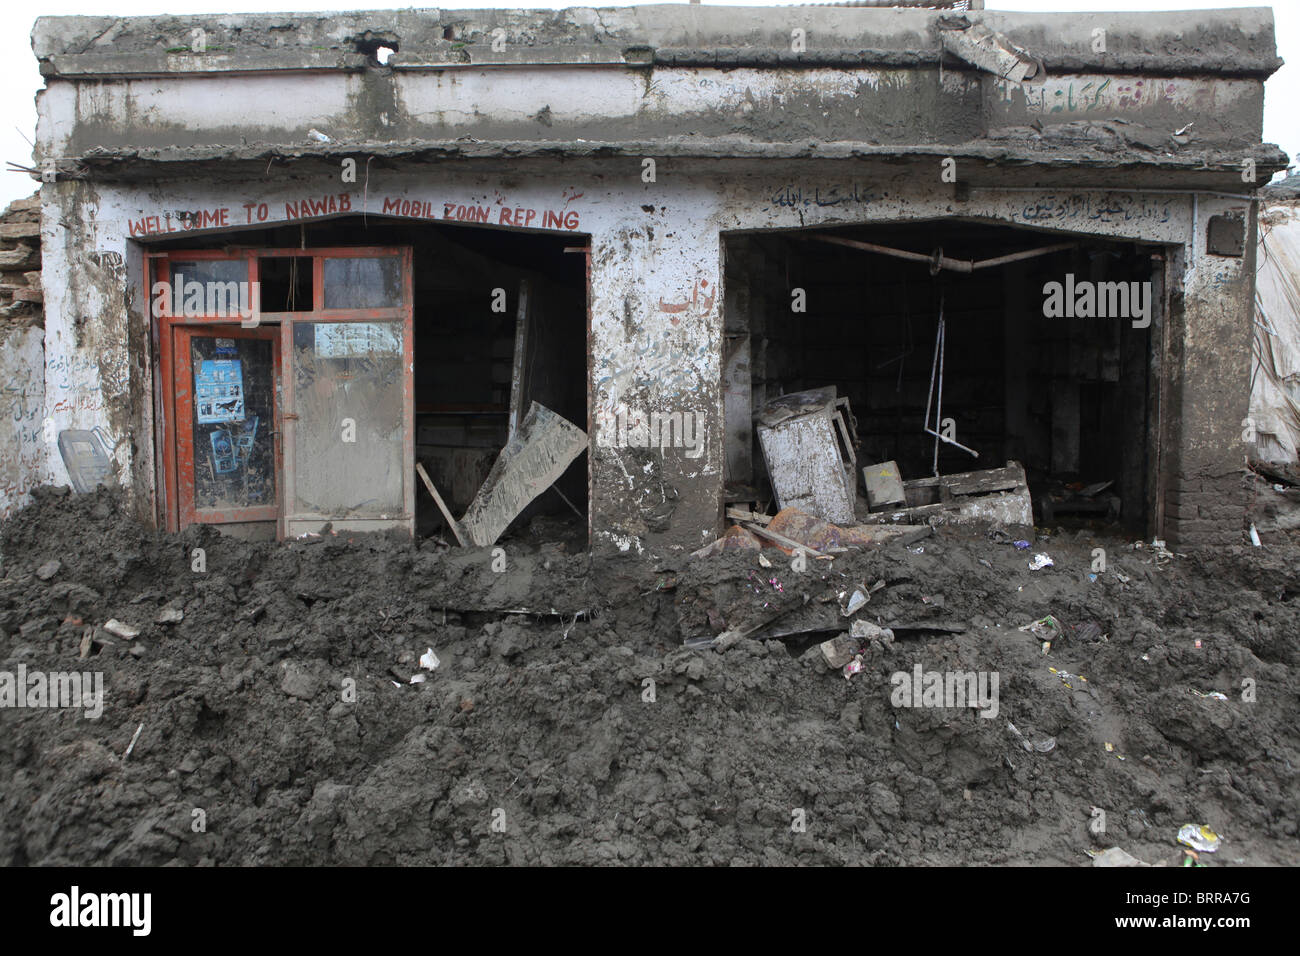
pixel 1066 397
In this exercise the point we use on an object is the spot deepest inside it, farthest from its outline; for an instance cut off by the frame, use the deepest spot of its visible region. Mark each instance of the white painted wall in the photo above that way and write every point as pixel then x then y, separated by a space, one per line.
pixel 655 297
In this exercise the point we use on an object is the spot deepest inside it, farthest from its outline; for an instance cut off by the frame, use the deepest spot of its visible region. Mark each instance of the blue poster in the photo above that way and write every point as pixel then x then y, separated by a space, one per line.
pixel 219 391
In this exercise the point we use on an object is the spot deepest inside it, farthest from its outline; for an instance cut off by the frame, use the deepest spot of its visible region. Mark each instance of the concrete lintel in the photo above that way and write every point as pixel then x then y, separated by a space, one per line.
pixel 1237 42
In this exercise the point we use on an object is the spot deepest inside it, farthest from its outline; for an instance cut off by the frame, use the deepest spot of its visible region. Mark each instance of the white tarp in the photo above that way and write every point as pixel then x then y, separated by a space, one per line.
pixel 1275 389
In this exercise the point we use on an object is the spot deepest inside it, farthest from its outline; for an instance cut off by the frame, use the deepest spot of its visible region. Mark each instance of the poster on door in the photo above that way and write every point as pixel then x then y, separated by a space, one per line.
pixel 219 391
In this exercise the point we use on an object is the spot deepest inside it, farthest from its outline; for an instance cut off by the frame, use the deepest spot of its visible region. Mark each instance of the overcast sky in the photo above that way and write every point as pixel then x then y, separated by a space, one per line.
pixel 19 78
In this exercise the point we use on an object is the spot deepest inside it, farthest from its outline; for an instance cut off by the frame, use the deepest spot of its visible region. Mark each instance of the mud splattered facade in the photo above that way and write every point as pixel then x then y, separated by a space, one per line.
pixel 653 188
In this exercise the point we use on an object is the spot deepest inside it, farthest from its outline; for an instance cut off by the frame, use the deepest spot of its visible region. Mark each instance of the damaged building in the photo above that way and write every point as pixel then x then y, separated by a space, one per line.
pixel 287 258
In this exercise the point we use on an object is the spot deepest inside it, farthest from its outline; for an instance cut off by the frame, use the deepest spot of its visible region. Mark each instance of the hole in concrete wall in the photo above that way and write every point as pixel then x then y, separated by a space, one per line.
pixel 1067 396
pixel 378 48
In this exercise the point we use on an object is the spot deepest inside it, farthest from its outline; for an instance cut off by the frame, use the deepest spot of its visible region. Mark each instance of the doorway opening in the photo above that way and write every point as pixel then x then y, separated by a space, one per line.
pixel 896 320
pixel 434 359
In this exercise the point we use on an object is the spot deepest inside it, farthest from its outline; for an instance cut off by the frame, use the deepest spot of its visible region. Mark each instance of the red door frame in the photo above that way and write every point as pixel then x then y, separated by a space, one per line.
pixel 183 400
pixel 157 268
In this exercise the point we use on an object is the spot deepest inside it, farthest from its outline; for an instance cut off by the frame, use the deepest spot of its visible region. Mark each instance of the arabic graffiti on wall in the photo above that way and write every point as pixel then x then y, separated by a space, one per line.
pixel 795 196
pixel 1112 94
pixel 1109 208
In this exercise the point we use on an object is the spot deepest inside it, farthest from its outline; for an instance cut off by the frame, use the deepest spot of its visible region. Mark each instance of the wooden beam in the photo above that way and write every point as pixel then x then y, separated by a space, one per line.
pixel 451 522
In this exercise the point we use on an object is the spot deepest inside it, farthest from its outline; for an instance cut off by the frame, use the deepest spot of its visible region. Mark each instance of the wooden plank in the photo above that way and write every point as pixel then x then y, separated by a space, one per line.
pixel 519 370
pixel 983 482
pixel 740 514
pixel 782 539
pixel 533 460
pixel 451 522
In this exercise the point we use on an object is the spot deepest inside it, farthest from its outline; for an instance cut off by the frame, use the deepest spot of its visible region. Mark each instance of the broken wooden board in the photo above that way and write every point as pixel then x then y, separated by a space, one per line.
pixel 437 499
pixel 743 514
pixel 983 482
pixel 543 446
pixel 800 529
pixel 808 460
pixel 884 486
pixel 995 495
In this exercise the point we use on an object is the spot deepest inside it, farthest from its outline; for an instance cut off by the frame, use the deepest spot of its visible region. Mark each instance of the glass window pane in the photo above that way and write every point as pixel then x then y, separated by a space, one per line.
pixel 211 287
pixel 234 451
pixel 349 459
pixel 363 283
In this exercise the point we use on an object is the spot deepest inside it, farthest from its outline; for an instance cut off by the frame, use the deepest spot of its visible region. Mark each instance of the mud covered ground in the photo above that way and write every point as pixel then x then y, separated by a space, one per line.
pixel 542 725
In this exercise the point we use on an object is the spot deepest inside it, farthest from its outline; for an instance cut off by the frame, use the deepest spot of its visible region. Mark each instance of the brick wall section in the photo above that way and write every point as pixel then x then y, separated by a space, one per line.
pixel 1205 511
pixel 20 263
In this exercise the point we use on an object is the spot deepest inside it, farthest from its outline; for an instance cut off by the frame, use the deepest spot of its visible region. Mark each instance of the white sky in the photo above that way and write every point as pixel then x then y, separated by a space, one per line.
pixel 19 78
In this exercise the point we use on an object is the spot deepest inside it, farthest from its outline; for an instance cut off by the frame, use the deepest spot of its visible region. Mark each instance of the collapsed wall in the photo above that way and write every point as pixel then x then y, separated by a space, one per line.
pixel 22 353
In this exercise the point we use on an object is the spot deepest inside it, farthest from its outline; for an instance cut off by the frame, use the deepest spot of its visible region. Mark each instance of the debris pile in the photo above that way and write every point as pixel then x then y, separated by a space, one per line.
pixel 560 705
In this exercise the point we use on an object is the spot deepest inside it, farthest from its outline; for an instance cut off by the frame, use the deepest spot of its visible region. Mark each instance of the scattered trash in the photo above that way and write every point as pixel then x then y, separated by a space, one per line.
pixel 935 600
pixel 1122 578
pixel 1043 746
pixel 852 667
pixel 1092 578
pixel 1114 857
pixel 734 538
pixel 1065 677
pixel 1200 838
pixel 861 631
pixel 122 630
pixel 131 745
pixel 1040 561
pixel 855 602
pixel 1045 627
pixel 839 651
pixel 1254 536
pixel 1089 632
pixel 791 528
pixel 318 136
pixel 418 678
pixel 429 660
pixel 1047 647
pixel 1021 545
pixel 1198 643
pixel 1110 749
pixel 1212 695
pixel 170 615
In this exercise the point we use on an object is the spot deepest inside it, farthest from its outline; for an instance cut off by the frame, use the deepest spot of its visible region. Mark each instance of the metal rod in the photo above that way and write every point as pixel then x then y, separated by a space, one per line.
pixel 945 262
